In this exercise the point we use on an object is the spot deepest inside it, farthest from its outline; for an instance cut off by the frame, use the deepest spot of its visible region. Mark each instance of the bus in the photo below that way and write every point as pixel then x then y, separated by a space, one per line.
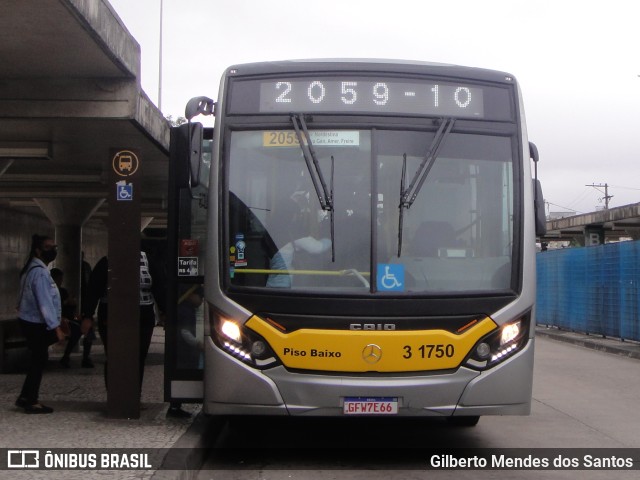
pixel 370 247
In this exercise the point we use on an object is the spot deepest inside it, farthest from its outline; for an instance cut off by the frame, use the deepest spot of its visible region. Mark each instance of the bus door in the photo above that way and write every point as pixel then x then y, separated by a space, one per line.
pixel 190 161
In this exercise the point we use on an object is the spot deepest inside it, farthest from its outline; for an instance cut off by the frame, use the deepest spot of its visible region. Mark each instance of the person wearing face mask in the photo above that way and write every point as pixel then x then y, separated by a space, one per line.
pixel 40 311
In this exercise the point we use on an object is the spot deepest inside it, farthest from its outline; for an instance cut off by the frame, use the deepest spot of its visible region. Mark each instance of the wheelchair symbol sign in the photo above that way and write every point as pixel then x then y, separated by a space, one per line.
pixel 124 192
pixel 390 277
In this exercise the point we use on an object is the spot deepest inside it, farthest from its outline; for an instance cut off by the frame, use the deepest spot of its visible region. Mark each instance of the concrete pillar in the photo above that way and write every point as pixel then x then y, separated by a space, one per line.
pixel 593 235
pixel 68 215
pixel 123 336
pixel 69 240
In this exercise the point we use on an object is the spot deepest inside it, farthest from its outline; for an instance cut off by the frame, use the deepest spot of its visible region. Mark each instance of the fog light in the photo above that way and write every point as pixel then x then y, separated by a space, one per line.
pixel 258 348
pixel 483 350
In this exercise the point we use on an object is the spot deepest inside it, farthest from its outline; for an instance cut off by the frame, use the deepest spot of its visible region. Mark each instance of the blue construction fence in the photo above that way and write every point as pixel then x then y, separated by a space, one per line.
pixel 593 290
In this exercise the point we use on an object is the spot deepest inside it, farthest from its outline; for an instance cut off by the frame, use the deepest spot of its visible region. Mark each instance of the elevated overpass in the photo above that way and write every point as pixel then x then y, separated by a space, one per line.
pixel 613 223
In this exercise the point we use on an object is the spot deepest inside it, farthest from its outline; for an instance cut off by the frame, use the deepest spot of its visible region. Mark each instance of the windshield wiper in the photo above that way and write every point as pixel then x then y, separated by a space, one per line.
pixel 408 195
pixel 325 195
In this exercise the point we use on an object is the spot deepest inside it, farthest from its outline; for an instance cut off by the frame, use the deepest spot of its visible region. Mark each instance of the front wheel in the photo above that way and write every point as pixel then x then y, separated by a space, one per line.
pixel 469 421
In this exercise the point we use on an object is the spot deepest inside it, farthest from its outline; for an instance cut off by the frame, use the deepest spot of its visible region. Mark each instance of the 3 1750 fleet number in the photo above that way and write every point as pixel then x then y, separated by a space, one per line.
pixel 429 351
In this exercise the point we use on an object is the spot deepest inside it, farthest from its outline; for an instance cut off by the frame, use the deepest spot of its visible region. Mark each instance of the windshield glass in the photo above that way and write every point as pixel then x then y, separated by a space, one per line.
pixel 458 233
pixel 456 236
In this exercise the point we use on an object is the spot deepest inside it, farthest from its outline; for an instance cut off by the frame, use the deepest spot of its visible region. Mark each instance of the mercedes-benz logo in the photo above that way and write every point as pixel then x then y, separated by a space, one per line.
pixel 372 353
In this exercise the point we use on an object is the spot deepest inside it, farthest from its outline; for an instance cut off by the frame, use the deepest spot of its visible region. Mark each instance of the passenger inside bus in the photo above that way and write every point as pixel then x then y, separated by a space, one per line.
pixel 289 227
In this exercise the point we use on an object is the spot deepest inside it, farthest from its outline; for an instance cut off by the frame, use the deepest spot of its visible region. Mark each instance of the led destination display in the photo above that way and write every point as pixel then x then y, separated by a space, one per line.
pixel 371 95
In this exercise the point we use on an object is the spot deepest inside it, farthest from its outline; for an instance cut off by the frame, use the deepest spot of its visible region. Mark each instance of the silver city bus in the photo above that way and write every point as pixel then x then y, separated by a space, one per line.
pixel 371 242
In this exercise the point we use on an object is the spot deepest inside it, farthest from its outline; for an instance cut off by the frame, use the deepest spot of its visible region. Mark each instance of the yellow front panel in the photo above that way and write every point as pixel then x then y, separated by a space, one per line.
pixel 371 351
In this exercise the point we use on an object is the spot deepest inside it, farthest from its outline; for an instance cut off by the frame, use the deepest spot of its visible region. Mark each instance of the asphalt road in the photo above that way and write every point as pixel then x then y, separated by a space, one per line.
pixel 582 399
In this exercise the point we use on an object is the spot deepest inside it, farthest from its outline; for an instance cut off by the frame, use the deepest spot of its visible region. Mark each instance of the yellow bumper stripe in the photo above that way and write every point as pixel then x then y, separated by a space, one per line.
pixel 371 351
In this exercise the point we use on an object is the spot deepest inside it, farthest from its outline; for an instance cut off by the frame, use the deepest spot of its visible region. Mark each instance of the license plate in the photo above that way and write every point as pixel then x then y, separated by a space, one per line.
pixel 370 406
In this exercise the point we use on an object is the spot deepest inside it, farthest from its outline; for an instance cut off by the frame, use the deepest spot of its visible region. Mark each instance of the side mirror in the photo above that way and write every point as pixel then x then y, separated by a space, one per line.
pixel 195 153
pixel 186 153
pixel 196 106
pixel 199 106
pixel 538 198
pixel 538 205
pixel 533 152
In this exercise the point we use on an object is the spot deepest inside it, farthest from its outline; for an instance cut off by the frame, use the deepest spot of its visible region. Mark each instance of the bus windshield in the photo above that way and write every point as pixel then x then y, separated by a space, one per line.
pixel 456 235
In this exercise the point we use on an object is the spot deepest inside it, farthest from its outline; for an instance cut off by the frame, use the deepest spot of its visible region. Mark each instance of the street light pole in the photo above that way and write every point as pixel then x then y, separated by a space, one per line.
pixel 160 61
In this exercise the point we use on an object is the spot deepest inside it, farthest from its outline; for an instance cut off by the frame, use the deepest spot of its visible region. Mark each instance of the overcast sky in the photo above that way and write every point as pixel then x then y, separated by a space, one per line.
pixel 578 63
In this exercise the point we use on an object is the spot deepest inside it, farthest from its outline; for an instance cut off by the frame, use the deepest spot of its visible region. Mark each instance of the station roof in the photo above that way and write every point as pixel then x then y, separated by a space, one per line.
pixel 69 92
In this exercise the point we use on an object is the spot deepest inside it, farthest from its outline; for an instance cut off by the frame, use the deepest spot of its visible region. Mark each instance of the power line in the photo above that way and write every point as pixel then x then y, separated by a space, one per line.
pixel 579 198
pixel 561 206
pixel 624 188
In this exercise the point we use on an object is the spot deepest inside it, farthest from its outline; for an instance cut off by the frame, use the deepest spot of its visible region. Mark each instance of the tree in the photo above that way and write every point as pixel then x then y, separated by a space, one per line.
pixel 176 122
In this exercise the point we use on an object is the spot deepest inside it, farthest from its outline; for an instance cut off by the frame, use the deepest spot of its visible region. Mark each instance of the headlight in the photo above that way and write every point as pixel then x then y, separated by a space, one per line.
pixel 231 330
pixel 510 332
pixel 500 344
pixel 234 338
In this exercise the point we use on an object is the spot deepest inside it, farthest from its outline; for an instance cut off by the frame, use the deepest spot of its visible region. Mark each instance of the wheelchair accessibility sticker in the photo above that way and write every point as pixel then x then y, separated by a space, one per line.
pixel 124 191
pixel 390 277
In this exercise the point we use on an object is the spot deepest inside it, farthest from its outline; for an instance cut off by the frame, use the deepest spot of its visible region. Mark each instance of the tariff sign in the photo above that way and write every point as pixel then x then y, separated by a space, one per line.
pixel 187 266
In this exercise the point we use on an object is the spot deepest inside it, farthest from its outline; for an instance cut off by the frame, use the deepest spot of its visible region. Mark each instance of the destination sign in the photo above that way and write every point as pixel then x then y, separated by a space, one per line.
pixel 371 95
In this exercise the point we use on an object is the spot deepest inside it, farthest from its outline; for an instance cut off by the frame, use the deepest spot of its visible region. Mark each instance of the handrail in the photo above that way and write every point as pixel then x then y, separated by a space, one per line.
pixel 297 272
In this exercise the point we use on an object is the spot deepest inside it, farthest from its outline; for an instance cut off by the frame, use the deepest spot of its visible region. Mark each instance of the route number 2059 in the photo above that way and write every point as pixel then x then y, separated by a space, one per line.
pixel 430 351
